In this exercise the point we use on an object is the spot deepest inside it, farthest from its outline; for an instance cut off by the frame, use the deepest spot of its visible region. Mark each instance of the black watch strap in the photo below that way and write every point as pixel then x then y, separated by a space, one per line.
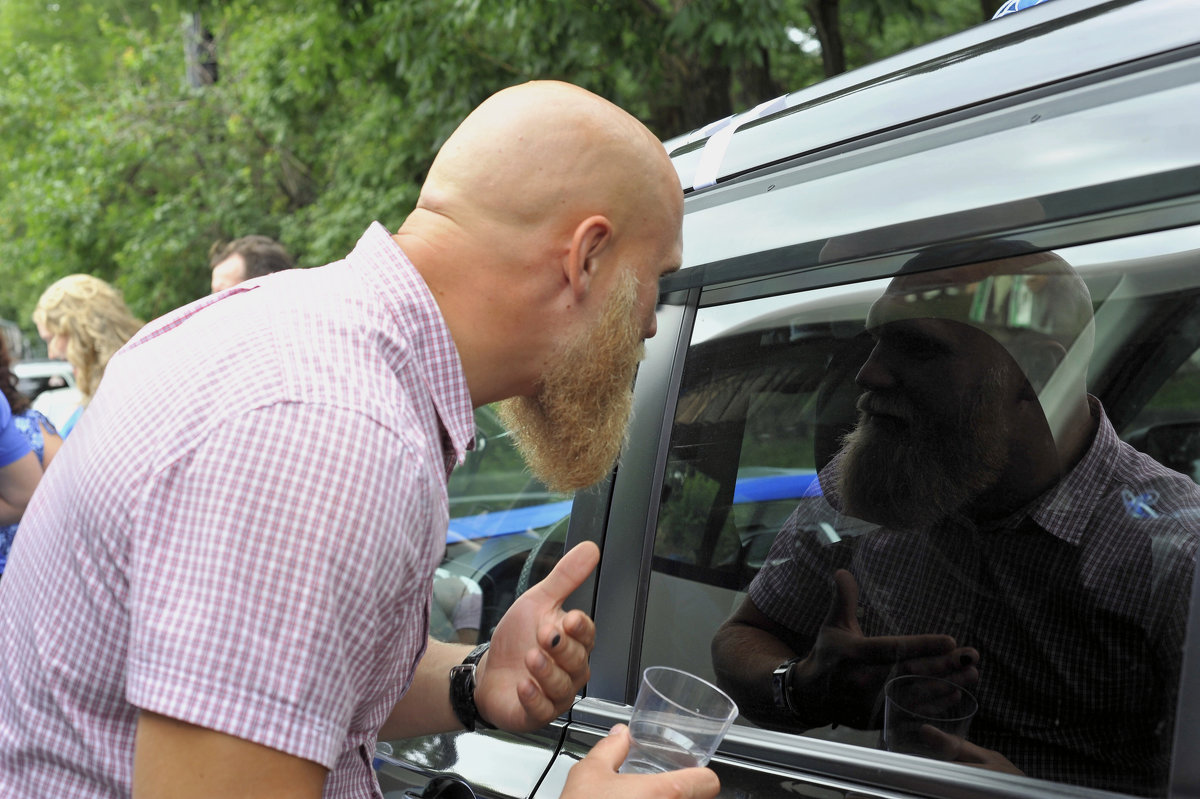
pixel 780 685
pixel 462 691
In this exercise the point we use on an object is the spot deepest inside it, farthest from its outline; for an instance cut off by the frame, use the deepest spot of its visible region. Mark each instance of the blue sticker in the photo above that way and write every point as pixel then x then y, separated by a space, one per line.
pixel 1140 506
pixel 1013 6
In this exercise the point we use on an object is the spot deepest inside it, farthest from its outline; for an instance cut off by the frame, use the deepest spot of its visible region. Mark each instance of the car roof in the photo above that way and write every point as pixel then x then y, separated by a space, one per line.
pixel 41 367
pixel 1045 45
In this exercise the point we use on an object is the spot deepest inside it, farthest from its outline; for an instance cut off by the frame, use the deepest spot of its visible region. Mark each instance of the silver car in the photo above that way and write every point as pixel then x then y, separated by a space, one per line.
pixel 1072 128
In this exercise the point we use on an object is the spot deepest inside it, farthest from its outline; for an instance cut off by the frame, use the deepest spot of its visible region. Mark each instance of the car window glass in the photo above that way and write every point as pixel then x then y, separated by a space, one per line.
pixel 990 497
pixel 506 533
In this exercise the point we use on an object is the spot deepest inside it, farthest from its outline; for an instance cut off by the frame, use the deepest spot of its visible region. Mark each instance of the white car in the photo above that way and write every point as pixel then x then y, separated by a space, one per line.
pixel 50 384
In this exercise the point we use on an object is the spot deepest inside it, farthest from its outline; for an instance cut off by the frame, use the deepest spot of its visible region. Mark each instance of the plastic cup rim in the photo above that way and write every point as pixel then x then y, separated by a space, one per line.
pixel 946 719
pixel 726 718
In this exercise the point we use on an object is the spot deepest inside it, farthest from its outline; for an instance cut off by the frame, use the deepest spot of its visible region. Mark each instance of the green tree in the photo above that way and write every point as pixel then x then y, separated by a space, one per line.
pixel 326 114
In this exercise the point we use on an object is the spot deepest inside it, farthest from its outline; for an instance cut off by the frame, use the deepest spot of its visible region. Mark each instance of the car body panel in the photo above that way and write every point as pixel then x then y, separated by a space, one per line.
pixel 1047 46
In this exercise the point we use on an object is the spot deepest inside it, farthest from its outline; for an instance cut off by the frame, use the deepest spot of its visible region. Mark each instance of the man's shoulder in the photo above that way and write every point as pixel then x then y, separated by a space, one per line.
pixel 1148 488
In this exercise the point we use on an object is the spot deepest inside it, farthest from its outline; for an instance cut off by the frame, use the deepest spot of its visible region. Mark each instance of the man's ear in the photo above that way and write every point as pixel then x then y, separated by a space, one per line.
pixel 591 238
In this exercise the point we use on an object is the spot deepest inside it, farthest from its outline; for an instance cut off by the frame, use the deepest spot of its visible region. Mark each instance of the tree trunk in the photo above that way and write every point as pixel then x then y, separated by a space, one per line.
pixel 200 53
pixel 698 92
pixel 827 21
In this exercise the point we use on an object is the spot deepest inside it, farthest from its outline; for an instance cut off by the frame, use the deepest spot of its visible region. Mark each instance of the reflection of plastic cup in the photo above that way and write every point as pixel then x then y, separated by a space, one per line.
pixel 913 702
pixel 678 721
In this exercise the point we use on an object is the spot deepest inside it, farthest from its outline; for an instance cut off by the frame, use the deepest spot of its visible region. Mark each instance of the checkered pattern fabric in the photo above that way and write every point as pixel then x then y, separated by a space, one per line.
pixel 241 532
pixel 1077 605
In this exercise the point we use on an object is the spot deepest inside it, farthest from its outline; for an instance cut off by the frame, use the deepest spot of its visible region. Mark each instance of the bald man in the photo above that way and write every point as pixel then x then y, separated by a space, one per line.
pixel 224 584
pixel 982 522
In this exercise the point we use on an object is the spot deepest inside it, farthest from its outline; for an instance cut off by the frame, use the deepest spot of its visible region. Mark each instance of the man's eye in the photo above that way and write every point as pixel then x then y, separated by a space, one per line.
pixel 916 348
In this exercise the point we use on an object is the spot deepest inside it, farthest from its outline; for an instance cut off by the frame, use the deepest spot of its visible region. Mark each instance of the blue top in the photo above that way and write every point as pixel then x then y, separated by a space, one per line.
pixel 13 445
pixel 28 427
pixel 69 425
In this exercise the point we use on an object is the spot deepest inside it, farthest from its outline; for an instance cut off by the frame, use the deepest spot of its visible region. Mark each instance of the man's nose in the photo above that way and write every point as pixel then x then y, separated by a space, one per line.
pixel 651 326
pixel 874 374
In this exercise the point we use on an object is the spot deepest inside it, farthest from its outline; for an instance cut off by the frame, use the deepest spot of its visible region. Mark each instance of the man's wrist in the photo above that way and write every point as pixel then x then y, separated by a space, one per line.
pixel 781 686
pixel 462 691
pixel 788 702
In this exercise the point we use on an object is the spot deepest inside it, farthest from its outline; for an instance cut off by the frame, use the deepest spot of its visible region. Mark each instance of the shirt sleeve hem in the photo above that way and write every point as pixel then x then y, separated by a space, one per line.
pixel 268 721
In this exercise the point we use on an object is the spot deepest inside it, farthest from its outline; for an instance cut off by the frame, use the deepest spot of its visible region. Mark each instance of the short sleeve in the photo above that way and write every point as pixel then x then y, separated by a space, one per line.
pixel 795 584
pixel 279 582
pixel 13 445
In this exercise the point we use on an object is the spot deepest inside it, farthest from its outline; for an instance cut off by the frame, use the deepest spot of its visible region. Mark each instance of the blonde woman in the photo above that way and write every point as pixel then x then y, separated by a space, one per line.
pixel 85 321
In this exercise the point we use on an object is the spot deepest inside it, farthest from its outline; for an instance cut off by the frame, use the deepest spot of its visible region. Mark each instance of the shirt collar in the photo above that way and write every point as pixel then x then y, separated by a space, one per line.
pixel 1064 509
pixel 406 296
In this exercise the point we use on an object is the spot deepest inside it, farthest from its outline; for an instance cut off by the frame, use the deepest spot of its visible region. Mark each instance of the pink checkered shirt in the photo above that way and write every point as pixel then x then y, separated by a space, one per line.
pixel 241 532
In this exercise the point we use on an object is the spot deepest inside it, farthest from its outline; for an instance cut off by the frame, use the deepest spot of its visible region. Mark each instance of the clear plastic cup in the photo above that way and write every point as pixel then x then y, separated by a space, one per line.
pixel 678 721
pixel 913 703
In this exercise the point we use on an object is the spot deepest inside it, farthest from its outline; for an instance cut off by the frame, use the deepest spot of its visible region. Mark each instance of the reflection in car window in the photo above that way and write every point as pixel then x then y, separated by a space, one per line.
pixel 993 522
pixel 507 531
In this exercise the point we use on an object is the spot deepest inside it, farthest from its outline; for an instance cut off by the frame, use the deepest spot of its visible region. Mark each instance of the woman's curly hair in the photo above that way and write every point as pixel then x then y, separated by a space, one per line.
pixel 95 319
pixel 8 382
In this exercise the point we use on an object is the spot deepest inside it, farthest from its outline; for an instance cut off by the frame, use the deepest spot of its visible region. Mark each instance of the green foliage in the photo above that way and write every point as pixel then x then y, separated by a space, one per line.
pixel 686 508
pixel 327 113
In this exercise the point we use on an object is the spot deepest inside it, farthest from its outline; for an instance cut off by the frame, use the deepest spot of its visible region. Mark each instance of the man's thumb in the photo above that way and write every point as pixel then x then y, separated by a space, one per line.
pixel 570 571
pixel 610 752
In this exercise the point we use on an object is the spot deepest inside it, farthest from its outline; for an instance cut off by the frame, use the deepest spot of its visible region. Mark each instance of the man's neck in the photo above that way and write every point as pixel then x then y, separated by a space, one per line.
pixel 1037 464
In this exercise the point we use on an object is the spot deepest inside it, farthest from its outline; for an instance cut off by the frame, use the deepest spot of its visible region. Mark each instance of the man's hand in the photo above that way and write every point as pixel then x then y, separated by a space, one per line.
pixel 538 658
pixel 596 777
pixel 842 677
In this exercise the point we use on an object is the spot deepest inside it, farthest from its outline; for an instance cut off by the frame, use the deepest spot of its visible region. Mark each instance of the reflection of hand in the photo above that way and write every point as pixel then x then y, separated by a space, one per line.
pixel 959 750
pixel 596 777
pixel 842 676
pixel 538 658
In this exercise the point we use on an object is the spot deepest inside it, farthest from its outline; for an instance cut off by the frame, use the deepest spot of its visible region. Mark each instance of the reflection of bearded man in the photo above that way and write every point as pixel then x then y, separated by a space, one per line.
pixel 571 431
pixel 908 469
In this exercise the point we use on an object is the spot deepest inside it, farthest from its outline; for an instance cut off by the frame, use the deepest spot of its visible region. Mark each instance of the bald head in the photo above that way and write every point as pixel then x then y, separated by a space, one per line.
pixel 546 152
pixel 539 208
pixel 1019 293
pixel 1033 305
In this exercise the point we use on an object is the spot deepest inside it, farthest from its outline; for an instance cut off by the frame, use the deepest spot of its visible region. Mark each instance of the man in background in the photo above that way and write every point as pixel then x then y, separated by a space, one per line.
pixel 245 258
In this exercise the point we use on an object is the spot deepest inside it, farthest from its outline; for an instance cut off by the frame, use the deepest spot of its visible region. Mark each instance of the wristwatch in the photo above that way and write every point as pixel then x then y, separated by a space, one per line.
pixel 780 684
pixel 462 691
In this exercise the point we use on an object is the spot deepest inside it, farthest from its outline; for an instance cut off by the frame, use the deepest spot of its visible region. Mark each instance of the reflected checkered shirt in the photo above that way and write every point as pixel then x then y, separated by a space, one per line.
pixel 241 532
pixel 1077 605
